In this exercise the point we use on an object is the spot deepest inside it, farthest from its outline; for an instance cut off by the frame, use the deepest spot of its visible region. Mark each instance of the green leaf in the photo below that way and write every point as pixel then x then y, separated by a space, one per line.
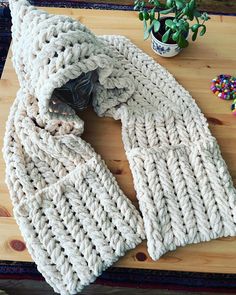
pixel 182 42
pixel 166 11
pixel 205 16
pixel 151 27
pixel 169 3
pixel 194 36
pixel 142 3
pixel 190 15
pixel 144 25
pixel 182 25
pixel 140 15
pixel 165 37
pixel 146 34
pixel 186 10
pixel 179 4
pixel 186 26
pixel 169 23
pixel 157 25
pixel 146 15
pixel 175 36
pixel 197 13
pixel 157 3
pixel 192 5
pixel 203 31
pixel 195 27
pixel 152 14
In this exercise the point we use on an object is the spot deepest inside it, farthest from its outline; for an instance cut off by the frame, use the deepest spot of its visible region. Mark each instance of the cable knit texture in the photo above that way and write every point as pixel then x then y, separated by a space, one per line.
pixel 75 220
pixel 185 192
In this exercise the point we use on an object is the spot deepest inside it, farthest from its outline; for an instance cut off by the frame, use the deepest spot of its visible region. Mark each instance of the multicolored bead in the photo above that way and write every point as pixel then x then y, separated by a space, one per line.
pixel 224 86
pixel 233 107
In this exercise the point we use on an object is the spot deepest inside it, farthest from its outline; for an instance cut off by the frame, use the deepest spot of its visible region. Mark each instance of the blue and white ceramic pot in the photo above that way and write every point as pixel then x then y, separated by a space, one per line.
pixel 164 49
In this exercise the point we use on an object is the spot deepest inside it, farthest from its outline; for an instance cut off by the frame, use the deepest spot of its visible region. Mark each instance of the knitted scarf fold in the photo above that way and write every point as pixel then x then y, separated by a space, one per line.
pixel 53 49
pixel 73 216
pixel 185 192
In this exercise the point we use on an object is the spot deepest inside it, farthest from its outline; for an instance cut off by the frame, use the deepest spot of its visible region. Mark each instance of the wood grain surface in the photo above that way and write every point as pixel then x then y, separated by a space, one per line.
pixel 193 68
pixel 218 6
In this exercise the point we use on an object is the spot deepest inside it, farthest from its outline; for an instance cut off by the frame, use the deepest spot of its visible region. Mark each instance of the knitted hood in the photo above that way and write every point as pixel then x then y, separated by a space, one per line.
pixel 49 50
pixel 74 218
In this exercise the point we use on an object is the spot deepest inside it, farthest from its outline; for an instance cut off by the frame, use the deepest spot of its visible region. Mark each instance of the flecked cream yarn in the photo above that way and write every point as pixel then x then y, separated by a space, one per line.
pixel 185 192
pixel 74 218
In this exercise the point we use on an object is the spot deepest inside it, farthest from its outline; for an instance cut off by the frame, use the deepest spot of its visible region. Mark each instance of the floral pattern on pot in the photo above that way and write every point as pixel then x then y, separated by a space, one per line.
pixel 163 49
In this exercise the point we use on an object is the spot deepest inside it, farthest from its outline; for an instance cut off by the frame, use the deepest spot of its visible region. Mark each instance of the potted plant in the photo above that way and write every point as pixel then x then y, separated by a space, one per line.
pixel 170 33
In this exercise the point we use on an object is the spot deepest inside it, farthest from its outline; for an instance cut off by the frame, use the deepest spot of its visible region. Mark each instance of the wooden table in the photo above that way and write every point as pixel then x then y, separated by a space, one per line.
pixel 222 6
pixel 193 68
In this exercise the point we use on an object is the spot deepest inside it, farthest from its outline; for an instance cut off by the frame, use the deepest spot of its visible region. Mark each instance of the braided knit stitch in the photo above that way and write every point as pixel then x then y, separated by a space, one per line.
pixel 185 192
pixel 75 220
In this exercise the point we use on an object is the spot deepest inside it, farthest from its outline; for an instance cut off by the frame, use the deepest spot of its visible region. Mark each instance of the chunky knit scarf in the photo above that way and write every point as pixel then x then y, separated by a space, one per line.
pixel 74 218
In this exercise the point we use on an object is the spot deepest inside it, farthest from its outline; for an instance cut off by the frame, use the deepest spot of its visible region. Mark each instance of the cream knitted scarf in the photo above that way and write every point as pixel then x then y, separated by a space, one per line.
pixel 74 218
